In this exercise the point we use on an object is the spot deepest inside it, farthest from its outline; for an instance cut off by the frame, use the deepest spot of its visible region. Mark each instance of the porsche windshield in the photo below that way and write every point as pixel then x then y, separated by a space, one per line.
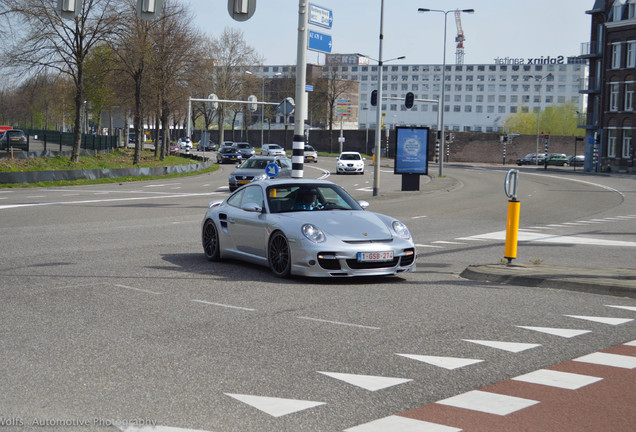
pixel 306 197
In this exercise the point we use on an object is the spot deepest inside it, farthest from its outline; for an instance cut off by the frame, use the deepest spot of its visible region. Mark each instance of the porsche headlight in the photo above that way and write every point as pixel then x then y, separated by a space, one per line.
pixel 401 230
pixel 313 234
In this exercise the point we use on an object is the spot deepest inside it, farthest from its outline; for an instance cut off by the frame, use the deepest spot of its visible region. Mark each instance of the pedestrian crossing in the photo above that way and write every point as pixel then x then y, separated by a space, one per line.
pixel 484 401
pixel 535 234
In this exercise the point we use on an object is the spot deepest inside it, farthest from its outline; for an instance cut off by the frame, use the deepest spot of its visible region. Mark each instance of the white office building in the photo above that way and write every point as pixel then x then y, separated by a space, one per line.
pixel 478 97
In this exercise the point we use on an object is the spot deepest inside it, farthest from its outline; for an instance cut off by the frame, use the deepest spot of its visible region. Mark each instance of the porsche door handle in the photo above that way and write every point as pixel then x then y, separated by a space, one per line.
pixel 231 220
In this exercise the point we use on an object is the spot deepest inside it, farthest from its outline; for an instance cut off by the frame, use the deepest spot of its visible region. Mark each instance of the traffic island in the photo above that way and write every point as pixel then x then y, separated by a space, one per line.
pixel 616 281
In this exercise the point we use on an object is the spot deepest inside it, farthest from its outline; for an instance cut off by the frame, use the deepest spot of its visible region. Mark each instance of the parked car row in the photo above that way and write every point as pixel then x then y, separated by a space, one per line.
pixel 556 159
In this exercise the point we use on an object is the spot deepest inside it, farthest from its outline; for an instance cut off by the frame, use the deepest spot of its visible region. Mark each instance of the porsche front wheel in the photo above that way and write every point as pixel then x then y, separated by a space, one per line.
pixel 279 255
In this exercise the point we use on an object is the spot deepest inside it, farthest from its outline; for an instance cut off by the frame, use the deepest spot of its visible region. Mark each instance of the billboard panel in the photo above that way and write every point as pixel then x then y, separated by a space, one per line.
pixel 411 151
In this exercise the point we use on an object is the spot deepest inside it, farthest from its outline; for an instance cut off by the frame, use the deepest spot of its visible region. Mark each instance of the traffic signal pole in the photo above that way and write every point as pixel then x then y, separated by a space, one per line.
pixel 298 149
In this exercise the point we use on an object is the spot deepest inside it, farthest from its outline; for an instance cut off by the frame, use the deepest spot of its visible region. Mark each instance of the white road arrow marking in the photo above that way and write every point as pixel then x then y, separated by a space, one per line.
pixel 276 407
pixel 367 382
pixel 449 363
pixel 567 333
pixel 506 346
pixel 603 320
pixel 401 424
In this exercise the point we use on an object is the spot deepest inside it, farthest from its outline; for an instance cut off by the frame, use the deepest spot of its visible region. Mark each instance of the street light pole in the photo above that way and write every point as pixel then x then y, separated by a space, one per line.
pixel 378 117
pixel 441 105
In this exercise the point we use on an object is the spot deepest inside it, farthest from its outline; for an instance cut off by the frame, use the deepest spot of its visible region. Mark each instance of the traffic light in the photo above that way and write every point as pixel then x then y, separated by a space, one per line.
pixel 374 98
pixel 68 9
pixel 148 9
pixel 408 101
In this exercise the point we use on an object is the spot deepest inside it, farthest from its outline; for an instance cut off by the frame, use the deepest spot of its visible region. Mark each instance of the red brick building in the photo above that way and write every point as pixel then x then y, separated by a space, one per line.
pixel 611 116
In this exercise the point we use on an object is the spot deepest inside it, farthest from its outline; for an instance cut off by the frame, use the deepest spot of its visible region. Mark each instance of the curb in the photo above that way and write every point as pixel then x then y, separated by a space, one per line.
pixel 616 282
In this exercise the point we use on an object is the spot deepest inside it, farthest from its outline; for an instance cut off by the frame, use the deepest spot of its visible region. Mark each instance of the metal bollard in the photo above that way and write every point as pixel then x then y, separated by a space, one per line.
pixel 512 222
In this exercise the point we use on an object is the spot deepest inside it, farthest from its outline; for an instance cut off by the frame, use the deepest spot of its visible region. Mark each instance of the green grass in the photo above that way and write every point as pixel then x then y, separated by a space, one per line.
pixel 116 159
pixel 113 160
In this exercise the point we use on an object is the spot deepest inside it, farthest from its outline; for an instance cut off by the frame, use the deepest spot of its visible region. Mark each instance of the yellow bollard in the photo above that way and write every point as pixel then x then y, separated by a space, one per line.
pixel 512 230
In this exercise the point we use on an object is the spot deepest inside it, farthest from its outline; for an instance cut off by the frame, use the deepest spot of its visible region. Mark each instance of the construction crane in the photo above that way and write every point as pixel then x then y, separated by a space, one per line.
pixel 459 54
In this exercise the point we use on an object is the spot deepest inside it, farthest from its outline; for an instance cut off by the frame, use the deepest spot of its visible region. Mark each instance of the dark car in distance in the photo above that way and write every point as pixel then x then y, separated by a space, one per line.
pixel 245 149
pixel 15 138
pixel 557 159
pixel 578 160
pixel 228 155
pixel 531 159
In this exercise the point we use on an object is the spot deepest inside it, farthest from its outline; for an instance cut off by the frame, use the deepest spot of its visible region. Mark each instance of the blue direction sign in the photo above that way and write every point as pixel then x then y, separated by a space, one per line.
pixel 272 169
pixel 319 42
pixel 320 16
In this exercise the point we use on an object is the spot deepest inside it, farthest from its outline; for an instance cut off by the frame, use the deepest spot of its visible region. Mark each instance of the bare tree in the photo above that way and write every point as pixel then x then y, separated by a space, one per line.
pixel 232 57
pixel 131 46
pixel 50 42
pixel 175 44
pixel 330 89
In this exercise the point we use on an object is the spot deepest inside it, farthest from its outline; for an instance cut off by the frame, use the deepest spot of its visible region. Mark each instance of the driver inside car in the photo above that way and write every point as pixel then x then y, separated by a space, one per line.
pixel 307 200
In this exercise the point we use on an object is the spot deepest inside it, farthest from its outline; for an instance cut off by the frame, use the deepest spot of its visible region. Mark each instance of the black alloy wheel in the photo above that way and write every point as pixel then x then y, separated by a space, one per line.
pixel 279 255
pixel 210 237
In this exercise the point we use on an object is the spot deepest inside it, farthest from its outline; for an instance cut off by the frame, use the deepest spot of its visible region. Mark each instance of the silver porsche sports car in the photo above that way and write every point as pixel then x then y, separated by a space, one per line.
pixel 306 227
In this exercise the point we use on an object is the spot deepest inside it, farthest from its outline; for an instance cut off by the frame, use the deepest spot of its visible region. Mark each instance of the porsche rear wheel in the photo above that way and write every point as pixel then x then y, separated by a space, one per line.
pixel 279 255
pixel 210 237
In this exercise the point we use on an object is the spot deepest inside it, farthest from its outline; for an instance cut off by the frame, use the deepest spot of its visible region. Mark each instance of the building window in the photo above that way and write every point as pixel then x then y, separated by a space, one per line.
pixel 393 107
pixel 479 108
pixel 629 96
pixel 617 10
pixel 616 56
pixel 611 143
pixel 631 51
pixel 627 143
pixel 613 97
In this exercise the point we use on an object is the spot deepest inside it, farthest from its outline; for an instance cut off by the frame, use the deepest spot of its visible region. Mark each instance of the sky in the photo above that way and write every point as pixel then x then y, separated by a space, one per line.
pixel 498 28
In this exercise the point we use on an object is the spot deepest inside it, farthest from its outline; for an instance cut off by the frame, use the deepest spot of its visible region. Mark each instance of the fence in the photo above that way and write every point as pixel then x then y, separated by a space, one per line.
pixel 52 141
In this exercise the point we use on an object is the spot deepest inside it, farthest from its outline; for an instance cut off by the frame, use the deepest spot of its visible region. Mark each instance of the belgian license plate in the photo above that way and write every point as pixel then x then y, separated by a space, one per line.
pixel 375 256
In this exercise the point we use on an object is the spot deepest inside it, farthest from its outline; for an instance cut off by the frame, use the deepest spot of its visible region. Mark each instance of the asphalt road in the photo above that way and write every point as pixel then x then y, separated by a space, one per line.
pixel 111 315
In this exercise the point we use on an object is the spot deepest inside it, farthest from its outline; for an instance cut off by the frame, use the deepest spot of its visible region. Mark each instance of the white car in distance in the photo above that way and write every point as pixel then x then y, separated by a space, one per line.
pixel 350 163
